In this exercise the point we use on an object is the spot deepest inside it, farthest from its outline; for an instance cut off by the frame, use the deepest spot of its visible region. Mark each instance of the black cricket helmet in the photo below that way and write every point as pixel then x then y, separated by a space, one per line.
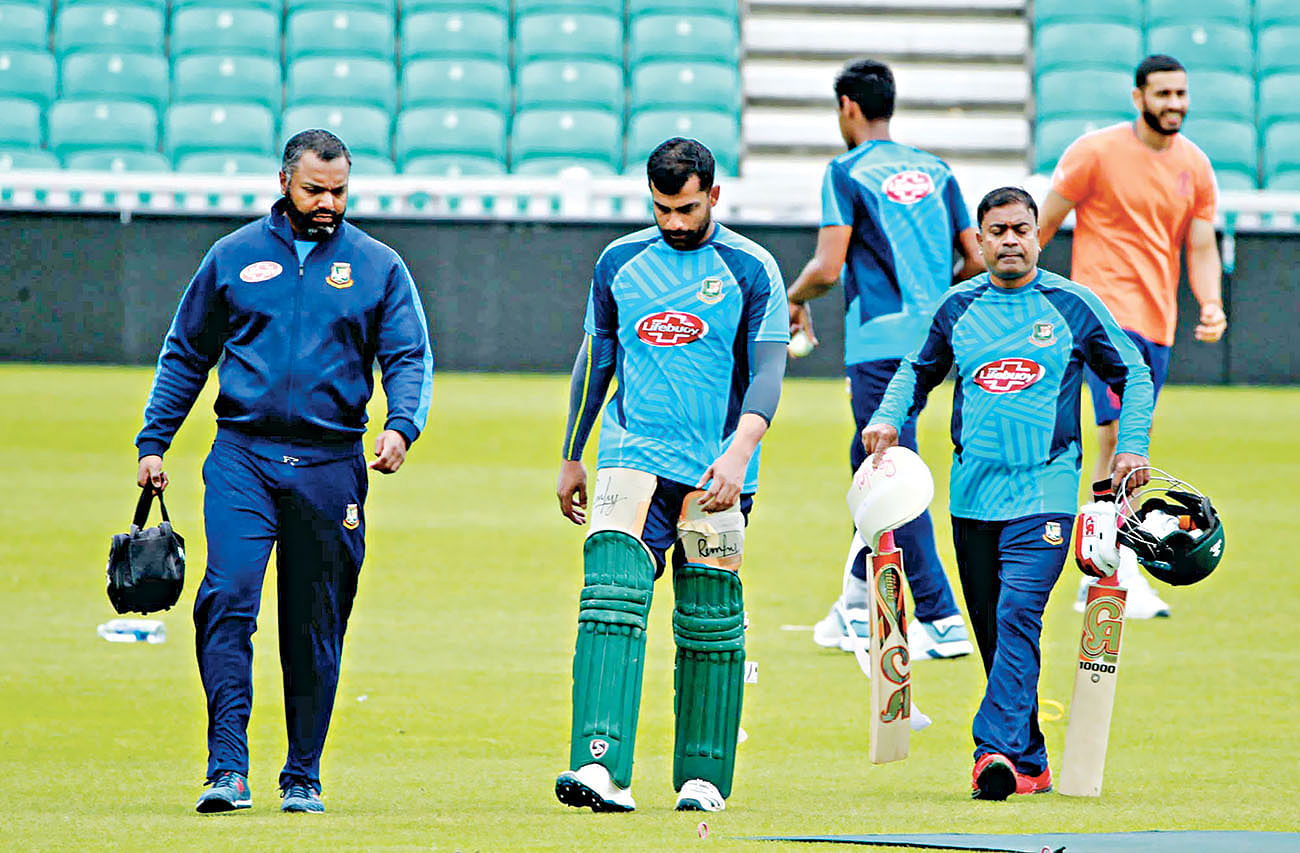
pixel 1172 527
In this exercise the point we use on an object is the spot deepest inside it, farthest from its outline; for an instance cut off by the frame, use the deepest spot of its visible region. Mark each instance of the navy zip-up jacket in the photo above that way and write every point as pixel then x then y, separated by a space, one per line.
pixel 296 343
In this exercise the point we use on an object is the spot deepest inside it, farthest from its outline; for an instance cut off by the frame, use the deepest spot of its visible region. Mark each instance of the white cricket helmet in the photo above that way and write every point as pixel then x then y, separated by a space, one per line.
pixel 885 497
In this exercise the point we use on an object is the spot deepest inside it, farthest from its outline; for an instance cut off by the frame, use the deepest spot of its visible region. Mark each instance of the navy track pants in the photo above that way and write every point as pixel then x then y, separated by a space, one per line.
pixel 312 511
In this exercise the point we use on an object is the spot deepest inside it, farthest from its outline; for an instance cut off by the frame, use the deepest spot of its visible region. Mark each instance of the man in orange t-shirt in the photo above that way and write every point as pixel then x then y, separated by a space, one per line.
pixel 1141 192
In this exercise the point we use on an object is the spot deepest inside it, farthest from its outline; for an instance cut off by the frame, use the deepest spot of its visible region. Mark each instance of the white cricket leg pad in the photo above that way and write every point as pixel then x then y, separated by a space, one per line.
pixel 715 539
pixel 621 501
pixel 1096 548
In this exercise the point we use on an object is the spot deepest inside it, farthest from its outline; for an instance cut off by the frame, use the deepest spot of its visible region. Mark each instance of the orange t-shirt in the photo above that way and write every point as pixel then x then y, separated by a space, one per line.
pixel 1133 208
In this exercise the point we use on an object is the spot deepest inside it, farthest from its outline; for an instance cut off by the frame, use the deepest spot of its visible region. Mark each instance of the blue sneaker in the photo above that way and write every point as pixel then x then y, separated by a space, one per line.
pixel 300 797
pixel 942 638
pixel 229 792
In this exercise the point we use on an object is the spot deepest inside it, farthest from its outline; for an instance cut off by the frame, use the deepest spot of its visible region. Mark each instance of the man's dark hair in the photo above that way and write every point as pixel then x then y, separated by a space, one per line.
pixel 671 165
pixel 870 85
pixel 1003 196
pixel 322 143
pixel 1154 63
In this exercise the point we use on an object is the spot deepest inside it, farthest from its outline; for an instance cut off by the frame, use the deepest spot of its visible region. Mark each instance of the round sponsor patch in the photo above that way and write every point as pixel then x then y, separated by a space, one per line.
pixel 1008 375
pixel 260 271
pixel 670 328
pixel 908 187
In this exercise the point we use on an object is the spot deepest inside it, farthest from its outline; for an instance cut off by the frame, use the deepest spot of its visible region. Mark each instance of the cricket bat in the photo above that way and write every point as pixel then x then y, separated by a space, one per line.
pixel 891 664
pixel 1094 691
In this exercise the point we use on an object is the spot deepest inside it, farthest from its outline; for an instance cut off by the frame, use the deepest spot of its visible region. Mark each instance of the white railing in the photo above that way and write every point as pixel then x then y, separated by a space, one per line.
pixel 575 196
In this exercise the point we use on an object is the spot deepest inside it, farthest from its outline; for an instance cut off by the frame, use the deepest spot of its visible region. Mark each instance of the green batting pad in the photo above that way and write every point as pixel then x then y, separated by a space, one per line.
pixel 610 654
pixel 708 625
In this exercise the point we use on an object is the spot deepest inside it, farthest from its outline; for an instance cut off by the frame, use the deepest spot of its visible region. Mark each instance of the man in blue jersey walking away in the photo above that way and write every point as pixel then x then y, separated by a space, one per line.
pixel 692 319
pixel 1019 339
pixel 892 218
pixel 295 308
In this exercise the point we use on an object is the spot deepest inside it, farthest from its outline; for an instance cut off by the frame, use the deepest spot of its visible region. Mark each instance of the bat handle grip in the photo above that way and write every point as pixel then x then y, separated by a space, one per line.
pixel 886 542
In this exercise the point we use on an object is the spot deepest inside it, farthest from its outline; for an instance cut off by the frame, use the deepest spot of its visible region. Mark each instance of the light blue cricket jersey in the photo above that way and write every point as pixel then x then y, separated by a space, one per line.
pixel 1019 356
pixel 906 211
pixel 683 322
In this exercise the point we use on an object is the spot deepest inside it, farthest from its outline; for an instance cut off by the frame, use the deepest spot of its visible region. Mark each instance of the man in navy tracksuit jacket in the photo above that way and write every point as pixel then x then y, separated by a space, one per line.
pixel 294 309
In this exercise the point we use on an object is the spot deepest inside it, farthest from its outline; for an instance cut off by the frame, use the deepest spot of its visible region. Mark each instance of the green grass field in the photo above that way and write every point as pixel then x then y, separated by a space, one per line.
pixel 452 715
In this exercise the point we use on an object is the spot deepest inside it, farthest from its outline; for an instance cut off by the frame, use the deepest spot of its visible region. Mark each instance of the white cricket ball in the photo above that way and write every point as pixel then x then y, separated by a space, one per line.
pixel 800 344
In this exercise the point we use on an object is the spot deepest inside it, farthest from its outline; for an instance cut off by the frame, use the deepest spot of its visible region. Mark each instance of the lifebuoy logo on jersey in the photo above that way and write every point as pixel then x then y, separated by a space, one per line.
pixel 1008 375
pixel 908 187
pixel 671 328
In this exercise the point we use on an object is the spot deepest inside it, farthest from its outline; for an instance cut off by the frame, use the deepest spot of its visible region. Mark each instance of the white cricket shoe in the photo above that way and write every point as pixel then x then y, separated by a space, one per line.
pixel 700 796
pixel 590 786
pixel 942 638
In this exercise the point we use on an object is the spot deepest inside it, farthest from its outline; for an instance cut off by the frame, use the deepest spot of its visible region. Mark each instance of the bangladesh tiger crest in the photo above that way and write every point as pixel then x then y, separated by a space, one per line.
pixel 710 291
pixel 352 517
pixel 340 275
pixel 1043 335
pixel 1052 533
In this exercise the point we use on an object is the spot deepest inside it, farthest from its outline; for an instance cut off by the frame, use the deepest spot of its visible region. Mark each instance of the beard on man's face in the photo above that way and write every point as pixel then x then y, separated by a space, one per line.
pixel 312 226
pixel 684 241
pixel 1153 121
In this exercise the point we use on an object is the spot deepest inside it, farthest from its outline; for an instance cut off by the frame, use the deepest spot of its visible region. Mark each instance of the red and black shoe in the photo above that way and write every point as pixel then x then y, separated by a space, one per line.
pixel 994 777
pixel 1040 784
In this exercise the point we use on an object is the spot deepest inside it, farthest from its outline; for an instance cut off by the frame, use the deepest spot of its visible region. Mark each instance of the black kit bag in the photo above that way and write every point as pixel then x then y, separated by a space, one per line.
pixel 146 567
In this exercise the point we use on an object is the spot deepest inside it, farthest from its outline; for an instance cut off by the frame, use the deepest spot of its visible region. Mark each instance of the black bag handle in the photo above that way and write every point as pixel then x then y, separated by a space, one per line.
pixel 142 506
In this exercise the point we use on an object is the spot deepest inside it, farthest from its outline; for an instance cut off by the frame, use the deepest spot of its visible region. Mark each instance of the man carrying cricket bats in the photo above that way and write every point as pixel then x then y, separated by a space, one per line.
pixel 1019 338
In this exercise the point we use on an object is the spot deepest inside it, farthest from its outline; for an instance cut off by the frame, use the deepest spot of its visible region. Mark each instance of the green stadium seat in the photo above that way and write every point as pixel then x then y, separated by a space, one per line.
pixel 160 5
pixel 1088 92
pixel 27 74
pixel 1270 13
pixel 118 161
pixel 276 6
pixel 371 164
pixel 24 158
pixel 1053 136
pixel 1279 50
pixel 599 7
pixel 387 7
pixel 454 166
pixel 1127 12
pixel 1288 181
pixel 683 37
pixel 207 128
pixel 115 76
pixel 191 128
pixel 339 80
pixel 225 30
pixel 470 82
pixel 364 129
pixel 95 26
pixel 548 166
pixel 480 34
pixel 228 163
pixel 84 124
pixel 499 7
pixel 22 125
pixel 1235 179
pixel 729 9
pixel 350 33
pixel 550 133
pixel 1228 144
pixel 24 26
pixel 227 79
pixel 720 132
pixel 568 36
pixel 580 83
pixel 685 85
pixel 1235 12
pixel 1281 149
pixel 1223 94
pixel 1277 98
pixel 426 131
pixel 1205 47
pixel 1077 45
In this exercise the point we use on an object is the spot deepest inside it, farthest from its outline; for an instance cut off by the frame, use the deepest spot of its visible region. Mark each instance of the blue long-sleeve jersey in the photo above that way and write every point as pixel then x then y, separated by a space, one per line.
pixel 296 343
pixel 1019 356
